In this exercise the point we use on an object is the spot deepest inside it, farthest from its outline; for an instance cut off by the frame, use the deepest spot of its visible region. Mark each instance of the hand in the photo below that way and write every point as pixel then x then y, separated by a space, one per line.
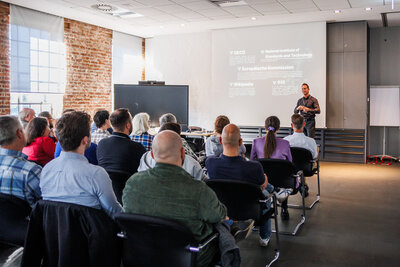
pixel 300 108
pixel 264 185
pixel 226 218
pixel 306 109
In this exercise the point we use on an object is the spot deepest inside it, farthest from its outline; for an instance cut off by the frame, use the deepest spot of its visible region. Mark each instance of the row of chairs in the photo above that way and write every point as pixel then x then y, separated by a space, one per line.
pixel 146 240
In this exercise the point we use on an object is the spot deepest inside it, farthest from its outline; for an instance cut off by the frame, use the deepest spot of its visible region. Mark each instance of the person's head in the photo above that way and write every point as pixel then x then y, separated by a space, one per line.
pixel 167 117
pixel 48 116
pixel 230 137
pixel 305 89
pixel 167 148
pixel 172 126
pixel 73 131
pixel 298 122
pixel 37 127
pixel 67 110
pixel 11 133
pixel 101 118
pixel 272 125
pixel 220 122
pixel 140 123
pixel 27 114
pixel 121 121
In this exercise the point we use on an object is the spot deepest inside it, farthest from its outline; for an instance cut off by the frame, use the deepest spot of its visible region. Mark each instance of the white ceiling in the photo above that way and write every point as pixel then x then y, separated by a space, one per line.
pixel 184 16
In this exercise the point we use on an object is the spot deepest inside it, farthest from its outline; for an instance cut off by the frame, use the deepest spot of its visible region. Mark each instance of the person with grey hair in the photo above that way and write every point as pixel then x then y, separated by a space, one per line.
pixel 168 191
pixel 26 115
pixel 20 177
pixel 167 117
pixel 140 127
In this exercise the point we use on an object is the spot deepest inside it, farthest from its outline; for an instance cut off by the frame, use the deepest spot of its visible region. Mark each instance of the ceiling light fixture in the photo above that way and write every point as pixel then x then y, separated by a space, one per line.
pixel 368 8
pixel 392 4
pixel 228 3
pixel 253 18
pixel 182 25
pixel 337 11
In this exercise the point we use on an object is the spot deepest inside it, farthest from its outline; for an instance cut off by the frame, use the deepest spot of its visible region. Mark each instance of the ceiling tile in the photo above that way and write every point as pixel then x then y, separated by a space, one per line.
pixel 172 9
pixel 332 5
pixel 188 15
pixel 199 5
pixel 154 3
pixel 213 12
pixel 268 7
pixel 241 10
pixel 297 4
pixel 366 3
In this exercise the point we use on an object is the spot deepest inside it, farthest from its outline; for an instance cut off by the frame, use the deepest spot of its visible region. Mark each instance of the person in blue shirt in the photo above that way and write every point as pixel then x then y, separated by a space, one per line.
pixel 71 178
pixel 90 153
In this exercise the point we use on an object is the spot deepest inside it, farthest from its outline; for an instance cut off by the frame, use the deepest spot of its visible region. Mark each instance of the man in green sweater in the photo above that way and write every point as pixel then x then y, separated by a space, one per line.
pixel 168 191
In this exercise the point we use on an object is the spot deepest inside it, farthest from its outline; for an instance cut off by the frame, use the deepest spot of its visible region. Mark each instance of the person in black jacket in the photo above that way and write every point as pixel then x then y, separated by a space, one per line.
pixel 119 153
pixel 308 106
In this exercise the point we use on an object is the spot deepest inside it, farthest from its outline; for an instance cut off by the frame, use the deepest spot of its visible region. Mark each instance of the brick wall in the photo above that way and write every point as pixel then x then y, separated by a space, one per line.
pixel 88 66
pixel 4 59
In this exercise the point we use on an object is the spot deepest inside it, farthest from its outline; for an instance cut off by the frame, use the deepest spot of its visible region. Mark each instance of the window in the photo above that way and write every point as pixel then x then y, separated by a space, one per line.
pixel 37 61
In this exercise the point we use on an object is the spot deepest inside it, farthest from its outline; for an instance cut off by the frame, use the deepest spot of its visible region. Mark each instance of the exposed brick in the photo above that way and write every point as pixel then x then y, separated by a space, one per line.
pixel 4 59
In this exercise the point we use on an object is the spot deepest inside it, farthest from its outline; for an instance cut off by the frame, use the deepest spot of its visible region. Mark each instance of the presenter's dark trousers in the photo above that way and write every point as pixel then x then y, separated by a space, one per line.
pixel 309 130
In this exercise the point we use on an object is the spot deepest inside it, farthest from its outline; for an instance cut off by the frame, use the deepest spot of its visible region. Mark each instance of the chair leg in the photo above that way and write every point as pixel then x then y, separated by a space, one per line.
pixel 277 250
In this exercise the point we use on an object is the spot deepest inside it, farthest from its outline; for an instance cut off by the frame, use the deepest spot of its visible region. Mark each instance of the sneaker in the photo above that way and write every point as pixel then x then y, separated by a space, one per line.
pixel 242 229
pixel 284 214
pixel 283 194
pixel 264 241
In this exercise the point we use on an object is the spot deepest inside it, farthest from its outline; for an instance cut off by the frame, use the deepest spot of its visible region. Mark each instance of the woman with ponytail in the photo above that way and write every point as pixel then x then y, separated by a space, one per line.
pixel 270 146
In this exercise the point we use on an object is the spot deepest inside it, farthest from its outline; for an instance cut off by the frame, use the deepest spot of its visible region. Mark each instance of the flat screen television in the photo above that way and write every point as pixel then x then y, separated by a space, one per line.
pixel 154 99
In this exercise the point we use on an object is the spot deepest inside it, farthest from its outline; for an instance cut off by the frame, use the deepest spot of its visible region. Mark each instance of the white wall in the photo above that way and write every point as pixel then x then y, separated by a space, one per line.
pixel 184 60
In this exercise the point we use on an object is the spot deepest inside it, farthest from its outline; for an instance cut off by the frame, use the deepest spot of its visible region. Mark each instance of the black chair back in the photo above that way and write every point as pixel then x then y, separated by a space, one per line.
pixel 118 180
pixel 240 198
pixel 63 234
pixel 14 214
pixel 280 172
pixel 303 160
pixel 154 241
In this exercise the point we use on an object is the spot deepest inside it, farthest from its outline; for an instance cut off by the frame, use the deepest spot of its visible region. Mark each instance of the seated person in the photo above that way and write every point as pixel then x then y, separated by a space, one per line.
pixel 93 126
pixel 102 121
pixel 90 152
pixel 298 138
pixel 26 115
pixel 71 178
pixel 19 177
pixel 50 119
pixel 140 127
pixel 189 164
pixel 272 147
pixel 40 147
pixel 213 143
pixel 229 165
pixel 118 153
pixel 170 192
pixel 169 117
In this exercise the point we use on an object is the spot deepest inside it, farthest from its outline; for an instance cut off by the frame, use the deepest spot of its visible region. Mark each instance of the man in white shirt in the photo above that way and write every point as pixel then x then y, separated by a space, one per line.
pixel 298 139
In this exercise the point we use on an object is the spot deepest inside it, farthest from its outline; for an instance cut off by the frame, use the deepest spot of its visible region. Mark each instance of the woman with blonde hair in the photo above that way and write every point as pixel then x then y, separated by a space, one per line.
pixel 140 127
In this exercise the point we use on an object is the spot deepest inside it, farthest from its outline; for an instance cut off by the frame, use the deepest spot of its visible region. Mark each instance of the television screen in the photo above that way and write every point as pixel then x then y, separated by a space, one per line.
pixel 154 100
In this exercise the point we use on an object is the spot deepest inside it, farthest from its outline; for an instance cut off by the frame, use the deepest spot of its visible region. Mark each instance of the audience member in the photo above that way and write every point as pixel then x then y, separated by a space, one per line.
pixel 169 117
pixel 213 143
pixel 189 164
pixel 19 177
pixel 170 192
pixel 70 178
pixel 93 126
pixel 140 127
pixel 119 153
pixel 102 122
pixel 48 116
pixel 229 165
pixel 26 115
pixel 272 147
pixel 298 138
pixel 40 147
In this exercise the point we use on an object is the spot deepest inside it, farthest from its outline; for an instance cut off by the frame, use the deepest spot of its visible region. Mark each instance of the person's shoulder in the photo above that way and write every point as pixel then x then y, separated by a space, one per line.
pixel 282 141
pixel 288 137
pixel 252 164
pixel 259 139
pixel 212 159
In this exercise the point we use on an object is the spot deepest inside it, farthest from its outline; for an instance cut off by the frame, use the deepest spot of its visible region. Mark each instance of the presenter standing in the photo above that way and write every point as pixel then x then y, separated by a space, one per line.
pixel 308 106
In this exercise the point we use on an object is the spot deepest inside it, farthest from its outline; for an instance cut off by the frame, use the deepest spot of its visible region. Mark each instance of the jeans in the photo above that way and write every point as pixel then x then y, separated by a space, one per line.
pixel 265 230
pixel 309 129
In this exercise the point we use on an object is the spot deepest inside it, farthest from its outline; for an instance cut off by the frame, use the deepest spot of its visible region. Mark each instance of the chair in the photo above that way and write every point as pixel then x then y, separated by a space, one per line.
pixel 155 241
pixel 245 201
pixel 14 214
pixel 283 174
pixel 302 159
pixel 118 180
pixel 63 234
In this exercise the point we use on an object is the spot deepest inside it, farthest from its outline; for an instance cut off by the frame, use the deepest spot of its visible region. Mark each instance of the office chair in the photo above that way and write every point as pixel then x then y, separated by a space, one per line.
pixel 283 174
pixel 302 159
pixel 155 241
pixel 246 201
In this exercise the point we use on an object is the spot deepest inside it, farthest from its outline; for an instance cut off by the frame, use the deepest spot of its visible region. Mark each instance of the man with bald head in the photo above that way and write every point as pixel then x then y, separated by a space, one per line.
pixel 168 191
pixel 26 115
pixel 231 166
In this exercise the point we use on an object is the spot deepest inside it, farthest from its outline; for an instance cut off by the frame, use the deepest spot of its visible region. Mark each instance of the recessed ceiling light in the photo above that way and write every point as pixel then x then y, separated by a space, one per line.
pixel 253 18
pixel 182 25
pixel 337 11
pixel 161 27
pixel 368 8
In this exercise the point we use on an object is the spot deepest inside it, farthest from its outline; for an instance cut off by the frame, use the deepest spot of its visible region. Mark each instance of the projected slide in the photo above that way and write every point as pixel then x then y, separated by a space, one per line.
pixel 258 72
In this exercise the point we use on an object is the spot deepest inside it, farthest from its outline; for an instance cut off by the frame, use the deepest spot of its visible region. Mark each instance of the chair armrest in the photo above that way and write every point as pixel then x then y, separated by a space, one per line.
pixel 205 243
